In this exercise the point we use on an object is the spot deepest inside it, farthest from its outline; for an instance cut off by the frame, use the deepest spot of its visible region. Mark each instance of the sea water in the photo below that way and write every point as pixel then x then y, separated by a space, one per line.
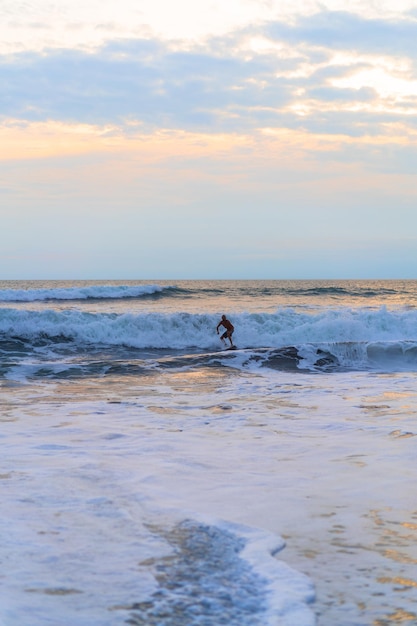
pixel 150 477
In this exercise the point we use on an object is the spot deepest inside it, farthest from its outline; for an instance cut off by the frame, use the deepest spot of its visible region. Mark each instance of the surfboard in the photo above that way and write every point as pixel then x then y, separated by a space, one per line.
pixel 231 348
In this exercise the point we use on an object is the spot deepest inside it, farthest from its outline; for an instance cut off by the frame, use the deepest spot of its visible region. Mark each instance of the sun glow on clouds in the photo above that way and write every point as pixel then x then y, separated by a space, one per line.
pixel 39 140
pixel 387 83
pixel 52 139
pixel 42 140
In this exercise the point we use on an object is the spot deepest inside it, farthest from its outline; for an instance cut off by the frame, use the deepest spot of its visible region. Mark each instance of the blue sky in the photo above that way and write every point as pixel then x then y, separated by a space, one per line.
pixel 260 139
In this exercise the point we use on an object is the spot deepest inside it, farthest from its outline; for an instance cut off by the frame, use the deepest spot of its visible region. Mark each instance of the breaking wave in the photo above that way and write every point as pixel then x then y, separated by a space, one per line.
pixel 344 338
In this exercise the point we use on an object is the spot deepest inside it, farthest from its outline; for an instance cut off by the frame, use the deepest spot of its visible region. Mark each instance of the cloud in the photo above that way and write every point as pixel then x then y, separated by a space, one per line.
pixel 333 94
pixel 226 85
pixel 342 30
pixel 137 80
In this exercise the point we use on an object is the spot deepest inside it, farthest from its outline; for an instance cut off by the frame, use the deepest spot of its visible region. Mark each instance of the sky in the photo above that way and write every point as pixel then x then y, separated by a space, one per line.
pixel 146 139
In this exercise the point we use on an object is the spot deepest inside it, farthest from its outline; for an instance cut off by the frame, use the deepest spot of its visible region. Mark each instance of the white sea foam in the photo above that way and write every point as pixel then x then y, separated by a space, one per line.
pixel 101 538
pixel 290 592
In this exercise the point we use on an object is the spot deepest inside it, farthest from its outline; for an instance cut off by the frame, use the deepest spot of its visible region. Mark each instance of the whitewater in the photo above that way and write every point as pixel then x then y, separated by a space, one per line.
pixel 151 477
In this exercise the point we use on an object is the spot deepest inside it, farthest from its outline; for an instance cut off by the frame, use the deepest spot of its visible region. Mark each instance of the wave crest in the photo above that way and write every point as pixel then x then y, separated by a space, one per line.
pixel 348 338
pixel 91 292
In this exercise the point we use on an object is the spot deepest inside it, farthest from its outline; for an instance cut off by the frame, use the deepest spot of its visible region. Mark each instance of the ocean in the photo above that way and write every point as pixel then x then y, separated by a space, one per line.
pixel 150 477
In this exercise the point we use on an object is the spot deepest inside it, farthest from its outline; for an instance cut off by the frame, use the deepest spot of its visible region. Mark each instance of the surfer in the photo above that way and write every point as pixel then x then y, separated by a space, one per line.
pixel 229 330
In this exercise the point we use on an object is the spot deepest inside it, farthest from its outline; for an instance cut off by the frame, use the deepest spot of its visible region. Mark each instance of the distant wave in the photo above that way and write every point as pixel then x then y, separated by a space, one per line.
pixel 341 291
pixel 92 292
